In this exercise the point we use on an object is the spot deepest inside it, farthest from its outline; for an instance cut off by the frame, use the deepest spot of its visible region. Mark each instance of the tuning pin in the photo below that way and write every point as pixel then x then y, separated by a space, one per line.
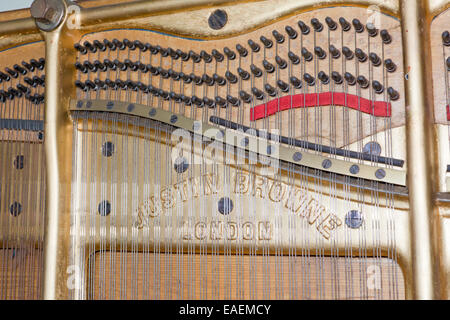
pixel 186 78
pixel 206 56
pixel 258 93
pixel 23 89
pixel 346 26
pixel 195 57
pixel 283 86
pixel 448 64
pixel 323 77
pixel 362 57
pixel 109 44
pixel 195 79
pixel 375 59
pixel 231 77
pixel 90 84
pixel 378 87
pixel 385 36
pixel 219 80
pixel 243 74
pixel 154 50
pixel 337 78
pixel 100 66
pixel 295 59
pixel 164 74
pixel 291 32
pixel 99 45
pixel 4 76
pixel 80 48
pixel 307 55
pixel 268 66
pixel 134 86
pixel 233 101
pixel 393 94
pixel 142 46
pixel 111 84
pixel 318 27
pixel 335 53
pixel 271 91
pixel 331 24
pixel 266 42
pixel 119 45
pixel 28 66
pixel 303 27
pixel 27 81
pixel 350 79
pixel 347 53
pixel 79 66
pixel 253 45
pixel 90 47
pixel 80 85
pixel 129 44
pixel 281 62
pixel 184 56
pixel 154 71
pixel 175 97
pixel 197 101
pixel 390 65
pixel 186 100
pixel 296 82
pixel 320 53
pixel 229 53
pixel 359 27
pixel 20 70
pixel 372 30
pixel 88 65
pixel 174 75
pixel 245 96
pixel 208 80
pixel 172 53
pixel 363 82
pixel 164 52
pixel 131 65
pixel 209 102
pixel 309 79
pixel 446 38
pixel 278 36
pixel 221 102
pixel 82 68
pixel 256 71
pixel 242 51
pixel 41 64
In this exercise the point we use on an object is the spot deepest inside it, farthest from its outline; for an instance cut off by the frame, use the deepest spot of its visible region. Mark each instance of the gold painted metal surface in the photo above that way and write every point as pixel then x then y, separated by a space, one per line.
pixel 284 153
pixel 423 229
pixel 418 123
pixel 57 285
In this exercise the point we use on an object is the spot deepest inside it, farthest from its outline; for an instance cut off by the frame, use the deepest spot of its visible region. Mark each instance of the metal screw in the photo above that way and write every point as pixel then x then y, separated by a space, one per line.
pixel 354 219
pixel 218 19
pixel 225 206
pixel 48 13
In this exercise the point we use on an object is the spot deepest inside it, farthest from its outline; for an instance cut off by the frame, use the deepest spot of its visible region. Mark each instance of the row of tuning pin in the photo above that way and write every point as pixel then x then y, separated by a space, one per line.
pixel 27 67
pixel 272 91
pixel 232 78
pixel 446 42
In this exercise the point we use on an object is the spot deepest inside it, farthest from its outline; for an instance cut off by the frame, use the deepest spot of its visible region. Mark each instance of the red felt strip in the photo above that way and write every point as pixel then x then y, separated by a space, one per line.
pixel 376 108
pixel 448 113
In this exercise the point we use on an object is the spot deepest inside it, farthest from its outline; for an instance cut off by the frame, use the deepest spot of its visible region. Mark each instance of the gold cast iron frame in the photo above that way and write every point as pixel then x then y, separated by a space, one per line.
pixel 427 277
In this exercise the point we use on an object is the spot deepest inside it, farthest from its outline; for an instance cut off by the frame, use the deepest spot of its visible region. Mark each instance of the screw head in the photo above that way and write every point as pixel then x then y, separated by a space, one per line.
pixel 354 219
pixel 218 19
pixel 48 13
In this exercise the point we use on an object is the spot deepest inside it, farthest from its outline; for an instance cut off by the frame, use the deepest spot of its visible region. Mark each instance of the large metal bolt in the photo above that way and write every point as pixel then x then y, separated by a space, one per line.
pixel 48 13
